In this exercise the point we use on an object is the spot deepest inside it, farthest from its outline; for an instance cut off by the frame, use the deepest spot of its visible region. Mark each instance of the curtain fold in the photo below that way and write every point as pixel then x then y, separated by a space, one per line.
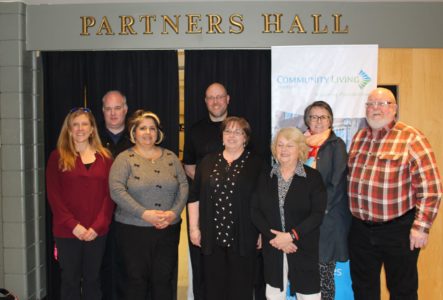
pixel 247 76
pixel 149 79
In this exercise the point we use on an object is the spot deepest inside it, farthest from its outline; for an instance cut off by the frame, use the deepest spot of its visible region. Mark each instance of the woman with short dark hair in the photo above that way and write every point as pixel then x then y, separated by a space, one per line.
pixel 220 216
pixel 328 155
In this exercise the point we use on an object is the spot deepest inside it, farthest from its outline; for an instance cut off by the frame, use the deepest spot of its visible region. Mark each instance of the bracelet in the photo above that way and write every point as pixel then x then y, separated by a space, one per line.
pixel 292 236
pixel 296 237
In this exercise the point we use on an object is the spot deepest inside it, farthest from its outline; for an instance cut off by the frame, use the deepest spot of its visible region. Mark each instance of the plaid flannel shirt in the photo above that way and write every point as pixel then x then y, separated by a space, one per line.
pixel 391 173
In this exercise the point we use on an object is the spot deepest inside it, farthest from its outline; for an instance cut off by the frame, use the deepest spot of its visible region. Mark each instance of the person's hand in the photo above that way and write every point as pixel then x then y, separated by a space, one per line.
pixel 155 217
pixel 259 242
pixel 417 239
pixel 281 240
pixel 195 236
pixel 90 235
pixel 291 248
pixel 79 231
pixel 169 216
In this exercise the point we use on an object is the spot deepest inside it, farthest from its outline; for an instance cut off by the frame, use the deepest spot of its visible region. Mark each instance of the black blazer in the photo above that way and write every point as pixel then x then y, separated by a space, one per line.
pixel 304 207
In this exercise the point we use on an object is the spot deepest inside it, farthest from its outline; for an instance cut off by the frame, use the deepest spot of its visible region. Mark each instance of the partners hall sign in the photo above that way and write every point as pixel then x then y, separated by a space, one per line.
pixel 240 24
pixel 148 24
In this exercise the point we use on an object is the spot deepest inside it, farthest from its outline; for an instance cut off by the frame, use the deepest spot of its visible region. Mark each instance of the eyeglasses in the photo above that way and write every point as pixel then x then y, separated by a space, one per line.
pixel 218 98
pixel 378 103
pixel 318 118
pixel 236 132
pixel 83 109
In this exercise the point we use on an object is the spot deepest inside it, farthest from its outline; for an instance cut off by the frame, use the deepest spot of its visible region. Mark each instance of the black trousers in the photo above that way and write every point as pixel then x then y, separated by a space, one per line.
pixel 198 285
pixel 147 261
pixel 109 271
pixel 374 245
pixel 80 268
pixel 229 276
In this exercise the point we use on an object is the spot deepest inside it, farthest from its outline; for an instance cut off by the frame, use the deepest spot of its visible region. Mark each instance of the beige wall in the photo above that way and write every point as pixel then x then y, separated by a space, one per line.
pixel 419 76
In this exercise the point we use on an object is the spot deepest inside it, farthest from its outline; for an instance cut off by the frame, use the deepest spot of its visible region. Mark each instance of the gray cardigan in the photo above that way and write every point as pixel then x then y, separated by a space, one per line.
pixel 138 184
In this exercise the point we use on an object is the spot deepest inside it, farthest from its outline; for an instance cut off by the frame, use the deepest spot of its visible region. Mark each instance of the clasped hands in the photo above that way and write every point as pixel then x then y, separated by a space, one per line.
pixel 283 241
pixel 84 234
pixel 159 218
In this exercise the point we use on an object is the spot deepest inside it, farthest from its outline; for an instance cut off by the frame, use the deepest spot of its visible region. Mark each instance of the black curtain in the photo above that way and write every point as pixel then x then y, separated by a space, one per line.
pixel 149 79
pixel 247 76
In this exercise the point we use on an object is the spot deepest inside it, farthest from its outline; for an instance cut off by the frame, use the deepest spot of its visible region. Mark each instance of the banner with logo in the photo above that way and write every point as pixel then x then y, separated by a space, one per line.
pixel 341 75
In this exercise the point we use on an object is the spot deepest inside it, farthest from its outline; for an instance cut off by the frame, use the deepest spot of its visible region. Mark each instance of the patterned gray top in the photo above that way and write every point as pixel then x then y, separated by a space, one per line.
pixel 138 184
pixel 283 187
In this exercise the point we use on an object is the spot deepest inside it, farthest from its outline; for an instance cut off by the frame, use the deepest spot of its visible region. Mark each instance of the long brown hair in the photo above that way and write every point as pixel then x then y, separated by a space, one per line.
pixel 65 143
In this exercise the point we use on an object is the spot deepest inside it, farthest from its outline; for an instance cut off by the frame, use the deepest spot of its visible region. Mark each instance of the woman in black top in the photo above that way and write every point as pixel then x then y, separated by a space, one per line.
pixel 219 214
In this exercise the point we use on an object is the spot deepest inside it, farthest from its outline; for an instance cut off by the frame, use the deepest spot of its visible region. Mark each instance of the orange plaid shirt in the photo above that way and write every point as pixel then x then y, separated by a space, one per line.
pixel 391 173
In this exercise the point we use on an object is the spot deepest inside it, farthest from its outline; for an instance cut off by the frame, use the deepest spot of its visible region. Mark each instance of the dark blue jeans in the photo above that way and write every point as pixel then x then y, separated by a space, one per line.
pixel 374 245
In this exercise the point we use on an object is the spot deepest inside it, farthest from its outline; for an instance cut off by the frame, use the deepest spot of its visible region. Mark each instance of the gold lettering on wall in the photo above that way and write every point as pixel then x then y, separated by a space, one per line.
pixel 276 23
pixel 174 26
pixel 193 20
pixel 87 22
pixel 296 23
pixel 147 19
pixel 104 24
pixel 126 23
pixel 317 25
pixel 236 20
pixel 337 26
pixel 214 22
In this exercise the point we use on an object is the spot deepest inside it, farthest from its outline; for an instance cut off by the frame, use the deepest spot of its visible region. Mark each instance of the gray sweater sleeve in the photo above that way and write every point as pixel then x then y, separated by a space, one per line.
pixel 118 178
pixel 182 193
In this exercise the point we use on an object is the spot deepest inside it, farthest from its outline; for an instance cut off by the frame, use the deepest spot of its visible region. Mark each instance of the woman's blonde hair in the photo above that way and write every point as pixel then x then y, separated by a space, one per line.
pixel 294 135
pixel 137 117
pixel 65 143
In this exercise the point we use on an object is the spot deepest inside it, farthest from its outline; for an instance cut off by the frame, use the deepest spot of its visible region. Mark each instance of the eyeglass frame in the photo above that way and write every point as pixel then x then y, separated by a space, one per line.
pixel 218 97
pixel 315 118
pixel 374 104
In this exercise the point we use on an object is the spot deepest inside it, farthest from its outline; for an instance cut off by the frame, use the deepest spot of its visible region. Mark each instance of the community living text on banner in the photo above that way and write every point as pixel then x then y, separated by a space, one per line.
pixel 341 75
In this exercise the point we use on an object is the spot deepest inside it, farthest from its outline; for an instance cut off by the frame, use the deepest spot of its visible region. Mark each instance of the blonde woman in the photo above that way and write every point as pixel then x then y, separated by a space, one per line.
pixel 78 194
pixel 288 208
pixel 149 185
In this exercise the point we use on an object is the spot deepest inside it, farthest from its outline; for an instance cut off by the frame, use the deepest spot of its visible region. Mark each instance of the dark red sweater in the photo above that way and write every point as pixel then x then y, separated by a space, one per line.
pixel 80 196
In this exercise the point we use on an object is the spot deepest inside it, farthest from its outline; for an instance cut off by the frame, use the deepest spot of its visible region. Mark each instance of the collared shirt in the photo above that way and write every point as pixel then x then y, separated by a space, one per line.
pixel 283 186
pixel 391 173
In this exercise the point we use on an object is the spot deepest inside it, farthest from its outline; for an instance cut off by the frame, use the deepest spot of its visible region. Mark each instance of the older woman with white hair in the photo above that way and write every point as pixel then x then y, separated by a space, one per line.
pixel 288 208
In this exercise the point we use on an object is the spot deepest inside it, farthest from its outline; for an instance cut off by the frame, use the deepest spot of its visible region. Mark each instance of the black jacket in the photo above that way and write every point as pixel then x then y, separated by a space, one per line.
pixel 304 208
pixel 332 164
pixel 123 144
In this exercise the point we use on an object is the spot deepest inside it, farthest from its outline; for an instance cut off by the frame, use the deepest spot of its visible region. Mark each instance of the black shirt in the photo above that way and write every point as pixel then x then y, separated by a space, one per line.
pixel 122 144
pixel 204 137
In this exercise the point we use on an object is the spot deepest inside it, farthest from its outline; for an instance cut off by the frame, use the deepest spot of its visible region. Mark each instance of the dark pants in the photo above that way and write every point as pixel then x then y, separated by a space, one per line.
pixel 374 245
pixel 109 270
pixel 147 261
pixel 80 267
pixel 198 287
pixel 229 276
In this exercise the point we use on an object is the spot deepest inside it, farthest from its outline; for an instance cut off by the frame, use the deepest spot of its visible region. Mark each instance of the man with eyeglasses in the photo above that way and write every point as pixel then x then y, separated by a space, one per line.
pixel 203 138
pixel 394 193
pixel 114 137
